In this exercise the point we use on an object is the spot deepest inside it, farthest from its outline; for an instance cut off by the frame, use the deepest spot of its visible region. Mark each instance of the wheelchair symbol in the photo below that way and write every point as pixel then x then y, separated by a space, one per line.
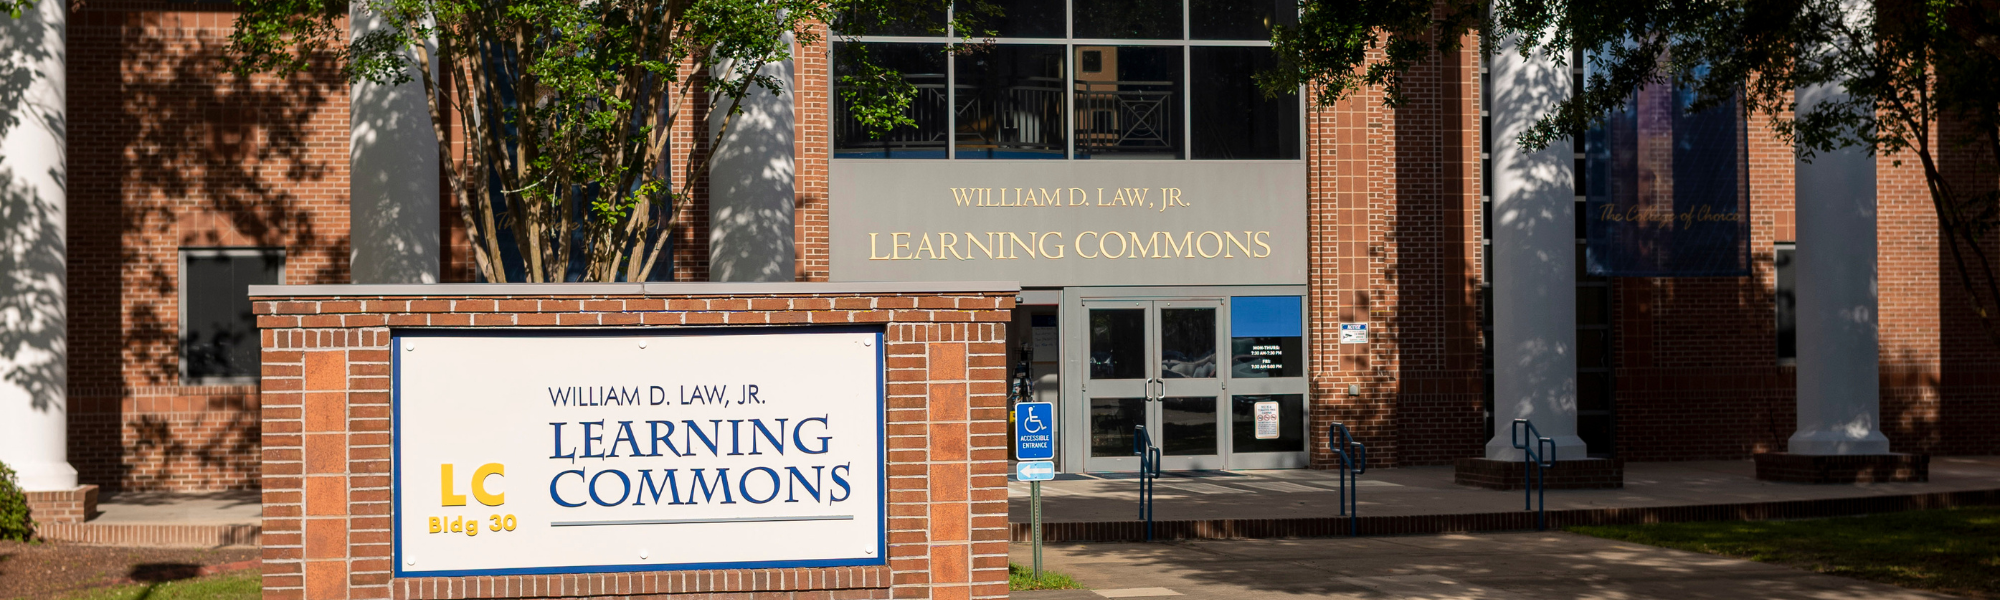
pixel 1034 424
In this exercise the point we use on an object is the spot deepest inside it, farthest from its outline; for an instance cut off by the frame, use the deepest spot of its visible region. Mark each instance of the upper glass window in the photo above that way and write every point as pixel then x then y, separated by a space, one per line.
pixel 928 20
pixel 1130 105
pixel 1076 79
pixel 1010 102
pixel 920 65
pixel 1238 121
pixel 1128 19
pixel 1015 18
pixel 1239 19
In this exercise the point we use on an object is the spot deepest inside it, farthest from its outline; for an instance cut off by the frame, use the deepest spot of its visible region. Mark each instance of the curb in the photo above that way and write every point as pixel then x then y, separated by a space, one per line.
pixel 1225 529
pixel 152 536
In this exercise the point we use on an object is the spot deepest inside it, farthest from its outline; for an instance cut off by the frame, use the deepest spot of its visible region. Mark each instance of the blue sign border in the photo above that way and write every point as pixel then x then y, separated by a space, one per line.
pixel 1017 431
pixel 396 336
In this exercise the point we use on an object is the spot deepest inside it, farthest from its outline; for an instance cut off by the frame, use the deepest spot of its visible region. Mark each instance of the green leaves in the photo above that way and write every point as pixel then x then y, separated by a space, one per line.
pixel 283 36
pixel 15 522
pixel 1916 75
pixel 1329 47
pixel 878 97
pixel 554 116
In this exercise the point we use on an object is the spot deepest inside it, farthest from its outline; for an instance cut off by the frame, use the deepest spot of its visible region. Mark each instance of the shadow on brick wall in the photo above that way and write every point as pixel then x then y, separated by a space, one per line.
pixel 173 151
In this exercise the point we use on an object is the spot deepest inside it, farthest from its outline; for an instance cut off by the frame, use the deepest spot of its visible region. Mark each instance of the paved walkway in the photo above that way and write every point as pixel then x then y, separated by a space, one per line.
pixel 165 508
pixel 1430 491
pixel 1506 566
pixel 167 520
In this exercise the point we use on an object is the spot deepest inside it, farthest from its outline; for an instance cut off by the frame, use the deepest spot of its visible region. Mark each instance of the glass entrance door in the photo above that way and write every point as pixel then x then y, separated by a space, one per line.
pixel 1153 363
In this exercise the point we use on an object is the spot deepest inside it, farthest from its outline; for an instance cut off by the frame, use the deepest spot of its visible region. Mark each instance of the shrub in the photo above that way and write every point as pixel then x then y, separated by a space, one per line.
pixel 14 522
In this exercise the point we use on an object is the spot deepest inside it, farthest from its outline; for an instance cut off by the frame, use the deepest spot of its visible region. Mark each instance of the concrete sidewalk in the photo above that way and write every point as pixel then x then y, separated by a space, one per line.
pixel 169 508
pixel 167 520
pixel 1430 491
pixel 1506 566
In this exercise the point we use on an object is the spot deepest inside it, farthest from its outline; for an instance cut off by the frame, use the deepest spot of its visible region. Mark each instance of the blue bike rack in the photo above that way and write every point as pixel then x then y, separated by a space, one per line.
pixel 1353 461
pixel 1534 460
pixel 1149 470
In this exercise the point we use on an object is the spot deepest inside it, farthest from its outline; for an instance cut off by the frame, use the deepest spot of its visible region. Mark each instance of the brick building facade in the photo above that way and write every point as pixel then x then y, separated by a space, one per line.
pixel 167 152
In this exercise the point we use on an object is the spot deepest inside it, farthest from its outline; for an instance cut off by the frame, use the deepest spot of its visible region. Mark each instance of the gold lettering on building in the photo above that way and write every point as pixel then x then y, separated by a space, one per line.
pixel 1058 197
pixel 1056 245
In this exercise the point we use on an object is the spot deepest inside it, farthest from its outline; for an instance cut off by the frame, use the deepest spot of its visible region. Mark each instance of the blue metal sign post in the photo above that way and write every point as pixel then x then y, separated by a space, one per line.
pixel 1035 446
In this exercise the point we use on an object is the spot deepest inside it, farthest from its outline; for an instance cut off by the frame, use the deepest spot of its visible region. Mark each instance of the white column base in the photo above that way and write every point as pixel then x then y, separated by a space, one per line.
pixel 1568 447
pixel 1838 442
pixel 45 476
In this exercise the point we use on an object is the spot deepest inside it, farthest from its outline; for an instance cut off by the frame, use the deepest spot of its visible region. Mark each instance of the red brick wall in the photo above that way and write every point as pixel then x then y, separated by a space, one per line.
pixel 1393 228
pixel 1965 377
pixel 326 424
pixel 167 150
pixel 1697 375
pixel 812 115
pixel 66 506
pixel 1696 372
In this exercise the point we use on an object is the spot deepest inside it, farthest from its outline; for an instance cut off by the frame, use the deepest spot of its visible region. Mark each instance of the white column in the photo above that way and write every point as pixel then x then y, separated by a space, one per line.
pixel 1838 381
pixel 1533 259
pixel 393 177
pixel 34 367
pixel 750 187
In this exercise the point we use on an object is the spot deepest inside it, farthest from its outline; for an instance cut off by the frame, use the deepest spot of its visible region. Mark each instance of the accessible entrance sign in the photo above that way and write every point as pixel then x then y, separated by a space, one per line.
pixel 1035 431
pixel 581 452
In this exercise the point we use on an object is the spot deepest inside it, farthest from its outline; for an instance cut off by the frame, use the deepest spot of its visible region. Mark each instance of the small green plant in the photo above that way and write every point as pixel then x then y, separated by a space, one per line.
pixel 1020 578
pixel 14 521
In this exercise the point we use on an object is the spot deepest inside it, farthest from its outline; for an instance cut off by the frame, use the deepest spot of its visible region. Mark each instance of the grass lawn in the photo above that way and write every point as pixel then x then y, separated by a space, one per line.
pixel 1955 551
pixel 241 585
pixel 1022 578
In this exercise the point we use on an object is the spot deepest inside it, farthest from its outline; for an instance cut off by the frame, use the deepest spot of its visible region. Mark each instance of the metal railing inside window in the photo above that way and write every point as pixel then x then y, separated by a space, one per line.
pixel 1126 117
pixel 1084 79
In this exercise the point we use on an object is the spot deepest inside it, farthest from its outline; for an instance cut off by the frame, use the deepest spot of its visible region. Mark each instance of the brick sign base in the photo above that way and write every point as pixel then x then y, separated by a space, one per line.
pixel 327 423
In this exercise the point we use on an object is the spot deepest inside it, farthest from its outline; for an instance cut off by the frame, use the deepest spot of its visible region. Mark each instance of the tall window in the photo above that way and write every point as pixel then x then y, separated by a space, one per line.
pixel 1787 303
pixel 1080 79
pixel 219 342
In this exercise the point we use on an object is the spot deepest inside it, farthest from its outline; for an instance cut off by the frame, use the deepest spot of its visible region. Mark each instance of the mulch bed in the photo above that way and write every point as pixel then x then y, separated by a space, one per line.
pixel 50 569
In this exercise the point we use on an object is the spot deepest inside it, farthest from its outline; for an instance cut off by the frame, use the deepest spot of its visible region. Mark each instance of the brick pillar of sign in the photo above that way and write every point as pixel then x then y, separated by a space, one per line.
pixel 327 423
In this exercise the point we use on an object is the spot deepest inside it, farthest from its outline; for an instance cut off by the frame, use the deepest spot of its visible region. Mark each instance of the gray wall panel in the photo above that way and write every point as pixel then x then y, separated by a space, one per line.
pixel 1053 223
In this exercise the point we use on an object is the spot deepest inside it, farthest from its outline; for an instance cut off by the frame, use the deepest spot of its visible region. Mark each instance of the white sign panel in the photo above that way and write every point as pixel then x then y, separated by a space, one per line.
pixel 1353 333
pixel 1267 420
pixel 577 452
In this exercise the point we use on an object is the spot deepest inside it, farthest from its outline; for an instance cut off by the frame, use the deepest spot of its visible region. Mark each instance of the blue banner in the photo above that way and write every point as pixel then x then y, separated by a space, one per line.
pixel 1667 193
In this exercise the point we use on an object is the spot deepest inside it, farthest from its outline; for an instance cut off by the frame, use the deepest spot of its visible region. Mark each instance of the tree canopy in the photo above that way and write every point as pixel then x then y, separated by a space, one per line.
pixel 568 108
pixel 1918 74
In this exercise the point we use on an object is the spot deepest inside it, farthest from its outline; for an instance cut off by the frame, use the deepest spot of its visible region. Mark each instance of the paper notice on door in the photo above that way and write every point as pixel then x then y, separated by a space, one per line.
pixel 1046 344
pixel 1267 420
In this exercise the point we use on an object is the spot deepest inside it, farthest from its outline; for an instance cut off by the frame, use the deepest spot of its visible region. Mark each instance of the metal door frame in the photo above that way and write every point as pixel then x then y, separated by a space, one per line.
pixel 1216 387
pixel 1075 415
pixel 1080 429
